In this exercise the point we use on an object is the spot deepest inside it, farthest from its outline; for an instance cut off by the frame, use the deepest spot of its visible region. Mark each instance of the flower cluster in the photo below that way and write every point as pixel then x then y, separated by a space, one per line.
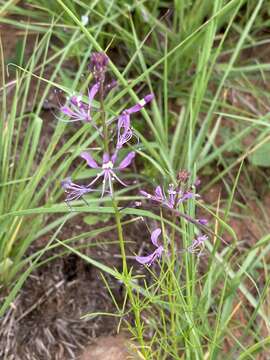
pixel 77 109
pixel 196 246
pixel 172 199
pixel 80 108
pixel 149 259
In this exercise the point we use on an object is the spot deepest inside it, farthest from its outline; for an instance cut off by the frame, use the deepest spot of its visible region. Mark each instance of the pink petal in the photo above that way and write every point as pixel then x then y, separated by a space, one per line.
pixel 145 259
pixel 148 260
pixel 65 110
pixel 92 92
pixel 106 158
pixel 66 183
pixel 114 156
pixel 149 98
pixel 201 239
pixel 137 107
pixel 123 121
pixel 127 160
pixel 185 196
pixel 203 221
pixel 159 193
pixel 146 194
pixel 154 236
pixel 90 161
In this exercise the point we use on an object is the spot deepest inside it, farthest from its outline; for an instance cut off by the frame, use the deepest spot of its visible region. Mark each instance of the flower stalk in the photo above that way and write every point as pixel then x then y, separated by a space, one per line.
pixel 113 200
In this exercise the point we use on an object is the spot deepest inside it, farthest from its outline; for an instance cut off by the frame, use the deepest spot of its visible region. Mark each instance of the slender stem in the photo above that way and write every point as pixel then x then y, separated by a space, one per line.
pixel 120 234
pixel 114 202
pixel 117 215
pixel 103 118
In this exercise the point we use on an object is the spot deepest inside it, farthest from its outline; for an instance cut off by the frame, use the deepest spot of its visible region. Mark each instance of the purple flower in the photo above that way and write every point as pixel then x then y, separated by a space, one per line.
pixel 141 104
pixel 74 191
pixel 124 131
pixel 98 65
pixel 203 221
pixel 173 198
pixel 77 110
pixel 197 243
pixel 149 259
pixel 108 169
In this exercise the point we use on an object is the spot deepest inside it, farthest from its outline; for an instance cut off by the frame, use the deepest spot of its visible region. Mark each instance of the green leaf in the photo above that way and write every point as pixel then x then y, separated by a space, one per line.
pixel 95 219
pixel 261 156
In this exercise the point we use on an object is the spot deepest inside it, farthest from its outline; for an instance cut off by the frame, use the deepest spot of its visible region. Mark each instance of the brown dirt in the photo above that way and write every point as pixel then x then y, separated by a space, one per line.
pixel 110 348
pixel 44 321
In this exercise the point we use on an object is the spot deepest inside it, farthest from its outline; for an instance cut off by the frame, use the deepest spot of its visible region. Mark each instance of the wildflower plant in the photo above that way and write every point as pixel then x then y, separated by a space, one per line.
pixel 116 135
pixel 110 168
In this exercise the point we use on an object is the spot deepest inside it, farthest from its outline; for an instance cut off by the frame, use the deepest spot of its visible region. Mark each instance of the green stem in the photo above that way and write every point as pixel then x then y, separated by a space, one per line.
pixel 103 119
pixel 117 215
pixel 120 235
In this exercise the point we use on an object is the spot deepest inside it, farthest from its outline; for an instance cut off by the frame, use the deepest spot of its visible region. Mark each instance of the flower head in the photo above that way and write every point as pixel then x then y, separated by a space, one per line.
pixel 98 65
pixel 196 244
pixel 149 259
pixel 107 169
pixel 172 199
pixel 124 130
pixel 183 176
pixel 202 221
pixel 77 109
pixel 74 191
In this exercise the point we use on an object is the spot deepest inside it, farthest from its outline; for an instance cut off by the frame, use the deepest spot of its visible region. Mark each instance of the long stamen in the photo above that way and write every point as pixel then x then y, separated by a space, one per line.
pixel 104 182
pixel 95 179
pixel 117 178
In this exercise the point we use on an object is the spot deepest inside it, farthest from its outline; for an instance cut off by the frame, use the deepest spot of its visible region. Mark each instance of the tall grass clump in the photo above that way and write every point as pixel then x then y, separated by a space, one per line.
pixel 30 159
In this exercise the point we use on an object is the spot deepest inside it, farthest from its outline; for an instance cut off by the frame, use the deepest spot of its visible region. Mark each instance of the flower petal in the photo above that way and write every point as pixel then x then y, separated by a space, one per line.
pixel 146 194
pixel 114 156
pixel 203 221
pixel 66 110
pixel 197 242
pixel 159 193
pixel 92 92
pixel 137 107
pixel 90 161
pixel 201 239
pixel 66 183
pixel 186 196
pixel 127 160
pixel 106 158
pixel 154 236
pixel 123 121
pixel 148 260
pixel 124 130
pixel 145 259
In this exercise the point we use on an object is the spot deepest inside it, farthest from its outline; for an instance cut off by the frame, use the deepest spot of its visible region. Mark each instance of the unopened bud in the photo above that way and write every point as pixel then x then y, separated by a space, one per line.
pixel 98 65
pixel 183 176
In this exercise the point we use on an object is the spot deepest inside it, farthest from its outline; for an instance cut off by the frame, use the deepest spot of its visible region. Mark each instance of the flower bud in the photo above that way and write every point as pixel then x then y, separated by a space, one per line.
pixel 183 176
pixel 98 65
